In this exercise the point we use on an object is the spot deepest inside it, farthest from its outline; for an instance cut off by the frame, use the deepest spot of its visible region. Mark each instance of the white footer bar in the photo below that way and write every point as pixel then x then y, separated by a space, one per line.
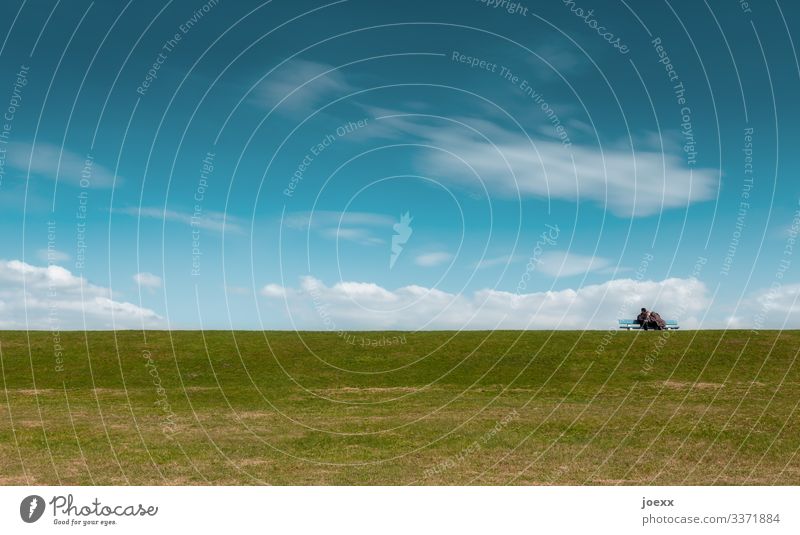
pixel 388 510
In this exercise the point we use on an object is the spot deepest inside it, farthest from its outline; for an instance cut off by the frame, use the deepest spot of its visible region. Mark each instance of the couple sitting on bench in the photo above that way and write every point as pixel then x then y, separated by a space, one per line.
pixel 651 320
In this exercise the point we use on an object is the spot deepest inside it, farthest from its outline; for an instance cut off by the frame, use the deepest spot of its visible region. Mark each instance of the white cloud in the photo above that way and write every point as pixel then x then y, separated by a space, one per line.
pixel 629 183
pixel 147 280
pixel 433 259
pixel 53 161
pixel 305 86
pixel 273 290
pixel 209 220
pixel 51 297
pixel 770 308
pixel 566 264
pixel 359 305
pixel 52 255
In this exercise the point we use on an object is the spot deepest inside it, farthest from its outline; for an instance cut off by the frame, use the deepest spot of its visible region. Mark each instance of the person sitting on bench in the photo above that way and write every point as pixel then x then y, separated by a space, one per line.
pixel 651 320
pixel 657 322
pixel 643 318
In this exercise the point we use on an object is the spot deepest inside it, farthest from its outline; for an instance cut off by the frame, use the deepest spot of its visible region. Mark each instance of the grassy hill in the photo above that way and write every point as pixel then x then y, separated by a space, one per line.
pixel 507 407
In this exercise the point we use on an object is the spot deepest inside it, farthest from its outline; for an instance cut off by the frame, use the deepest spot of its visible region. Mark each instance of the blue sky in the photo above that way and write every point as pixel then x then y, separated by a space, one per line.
pixel 244 164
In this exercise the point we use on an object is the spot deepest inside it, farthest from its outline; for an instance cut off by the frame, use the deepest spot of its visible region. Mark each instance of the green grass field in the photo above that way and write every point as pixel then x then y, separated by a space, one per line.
pixel 540 408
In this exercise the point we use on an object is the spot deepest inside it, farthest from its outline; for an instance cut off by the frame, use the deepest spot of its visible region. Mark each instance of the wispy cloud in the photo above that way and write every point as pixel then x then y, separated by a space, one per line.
pixel 147 280
pixel 566 264
pixel 237 290
pixel 209 220
pixel 52 255
pixel 55 162
pixel 306 85
pixel 497 261
pixel 357 235
pixel 556 59
pixel 433 259
pixel 327 218
pixel 358 227
pixel 629 183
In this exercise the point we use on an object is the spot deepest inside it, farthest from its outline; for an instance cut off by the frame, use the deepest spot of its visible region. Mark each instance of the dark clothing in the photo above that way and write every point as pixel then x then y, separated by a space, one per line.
pixel 651 320
pixel 655 317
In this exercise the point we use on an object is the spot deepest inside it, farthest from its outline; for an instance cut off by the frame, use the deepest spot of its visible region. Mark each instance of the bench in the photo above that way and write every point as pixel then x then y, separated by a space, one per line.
pixel 672 325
